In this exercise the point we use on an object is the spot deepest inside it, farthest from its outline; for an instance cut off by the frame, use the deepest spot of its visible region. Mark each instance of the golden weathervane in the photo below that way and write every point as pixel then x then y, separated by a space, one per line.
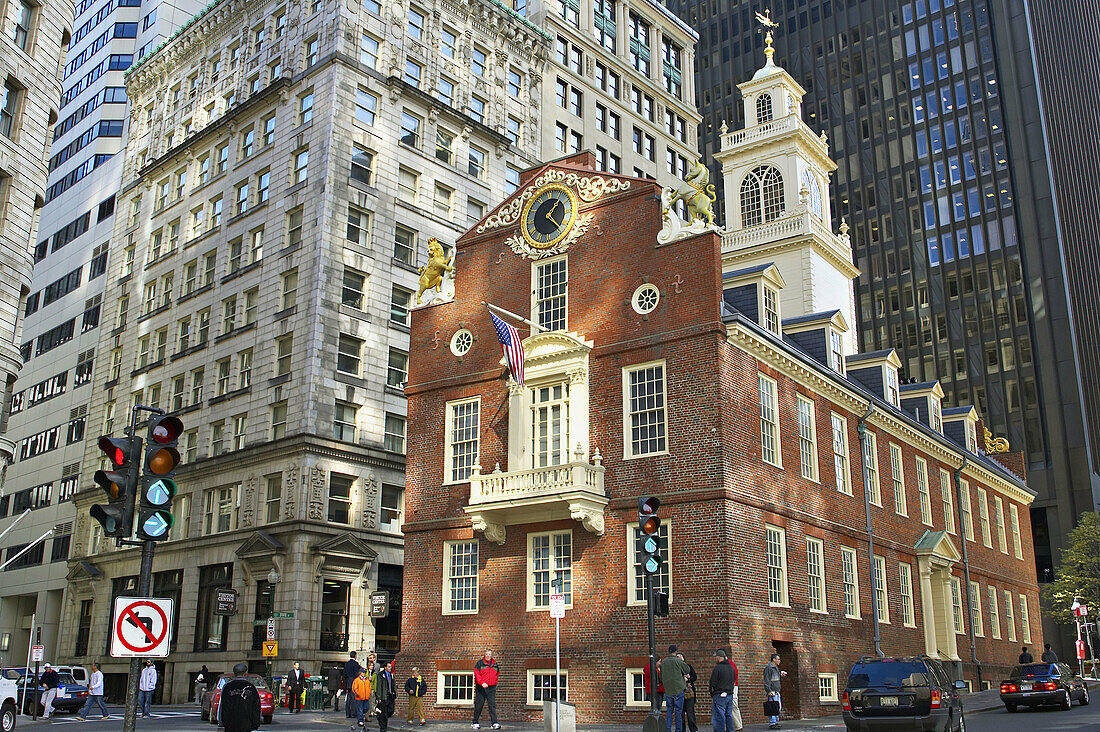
pixel 995 444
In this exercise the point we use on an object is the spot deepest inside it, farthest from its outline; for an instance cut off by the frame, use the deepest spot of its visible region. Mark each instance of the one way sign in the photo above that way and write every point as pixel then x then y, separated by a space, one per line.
pixel 141 626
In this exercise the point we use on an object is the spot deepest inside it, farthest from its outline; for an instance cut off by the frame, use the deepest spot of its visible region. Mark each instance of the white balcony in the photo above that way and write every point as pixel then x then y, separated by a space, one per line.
pixel 572 490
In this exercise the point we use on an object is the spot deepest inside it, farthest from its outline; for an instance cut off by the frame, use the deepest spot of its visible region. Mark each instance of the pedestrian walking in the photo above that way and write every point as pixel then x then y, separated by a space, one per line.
pixel 360 692
pixel 1049 656
pixel 385 695
pixel 146 686
pixel 239 707
pixel 351 673
pixel 689 697
pixel 1026 657
pixel 486 676
pixel 725 715
pixel 646 684
pixel 773 678
pixel 332 684
pixel 674 674
pixel 295 685
pixel 202 681
pixel 51 680
pixel 416 689
pixel 95 694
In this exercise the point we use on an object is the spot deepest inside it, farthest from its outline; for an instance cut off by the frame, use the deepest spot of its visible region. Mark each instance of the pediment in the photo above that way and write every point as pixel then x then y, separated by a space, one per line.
pixel 938 544
pixel 260 544
pixel 83 571
pixel 554 345
pixel 346 545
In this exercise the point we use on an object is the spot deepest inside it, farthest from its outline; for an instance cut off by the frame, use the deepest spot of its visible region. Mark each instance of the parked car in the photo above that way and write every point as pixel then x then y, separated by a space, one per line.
pixel 70 695
pixel 8 704
pixel 79 673
pixel 1037 684
pixel 212 697
pixel 912 693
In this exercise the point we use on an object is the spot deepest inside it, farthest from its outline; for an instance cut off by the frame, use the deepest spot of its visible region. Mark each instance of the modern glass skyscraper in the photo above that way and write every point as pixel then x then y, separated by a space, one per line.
pixel 964 132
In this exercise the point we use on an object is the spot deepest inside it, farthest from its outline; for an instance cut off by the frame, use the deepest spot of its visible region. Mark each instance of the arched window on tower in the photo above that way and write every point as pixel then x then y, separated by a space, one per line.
pixel 763 108
pixel 761 196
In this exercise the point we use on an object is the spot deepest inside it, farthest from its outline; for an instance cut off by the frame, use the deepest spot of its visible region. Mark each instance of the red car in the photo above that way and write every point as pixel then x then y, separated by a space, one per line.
pixel 212 698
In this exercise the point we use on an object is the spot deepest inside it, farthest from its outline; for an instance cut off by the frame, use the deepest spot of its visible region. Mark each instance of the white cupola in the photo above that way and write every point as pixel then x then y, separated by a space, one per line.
pixel 776 195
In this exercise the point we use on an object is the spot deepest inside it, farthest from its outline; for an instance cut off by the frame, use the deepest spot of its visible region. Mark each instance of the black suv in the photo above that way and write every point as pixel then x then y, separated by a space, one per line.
pixel 902 694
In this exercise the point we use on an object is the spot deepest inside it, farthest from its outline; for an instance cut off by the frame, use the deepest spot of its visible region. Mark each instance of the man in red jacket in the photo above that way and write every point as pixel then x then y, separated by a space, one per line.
pixel 486 675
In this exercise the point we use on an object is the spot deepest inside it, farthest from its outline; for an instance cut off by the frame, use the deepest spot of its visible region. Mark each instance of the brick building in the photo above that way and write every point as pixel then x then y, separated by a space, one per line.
pixel 719 373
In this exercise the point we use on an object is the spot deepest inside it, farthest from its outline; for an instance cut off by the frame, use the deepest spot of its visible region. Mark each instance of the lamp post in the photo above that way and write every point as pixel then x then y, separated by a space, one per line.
pixel 272 580
pixel 558 587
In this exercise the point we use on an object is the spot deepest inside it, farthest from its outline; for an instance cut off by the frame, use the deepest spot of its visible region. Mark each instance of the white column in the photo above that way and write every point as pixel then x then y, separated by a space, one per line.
pixel 927 607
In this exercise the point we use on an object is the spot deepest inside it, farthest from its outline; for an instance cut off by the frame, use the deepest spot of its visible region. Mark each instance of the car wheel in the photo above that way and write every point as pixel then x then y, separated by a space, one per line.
pixel 7 717
pixel 1010 707
pixel 1085 696
pixel 1066 701
pixel 267 719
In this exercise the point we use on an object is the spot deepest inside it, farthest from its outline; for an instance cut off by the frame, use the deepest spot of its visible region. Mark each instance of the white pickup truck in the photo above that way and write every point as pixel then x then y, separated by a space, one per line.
pixel 7 705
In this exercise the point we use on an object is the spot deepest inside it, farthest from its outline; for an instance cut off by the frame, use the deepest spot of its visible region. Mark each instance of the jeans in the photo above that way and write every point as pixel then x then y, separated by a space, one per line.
pixel 721 713
pixel 94 699
pixel 362 709
pixel 674 711
pixel 145 702
pixel 483 695
pixel 199 689
pixel 774 696
pixel 689 714
pixel 47 701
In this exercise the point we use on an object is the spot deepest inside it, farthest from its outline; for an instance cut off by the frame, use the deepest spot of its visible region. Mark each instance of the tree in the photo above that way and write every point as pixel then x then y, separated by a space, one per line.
pixel 1078 574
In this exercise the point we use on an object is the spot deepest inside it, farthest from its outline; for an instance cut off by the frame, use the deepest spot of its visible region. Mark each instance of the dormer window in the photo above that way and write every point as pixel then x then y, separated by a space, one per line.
pixel 836 351
pixel 764 108
pixel 936 414
pixel 971 437
pixel 761 196
pixel 771 309
pixel 551 285
pixel 892 394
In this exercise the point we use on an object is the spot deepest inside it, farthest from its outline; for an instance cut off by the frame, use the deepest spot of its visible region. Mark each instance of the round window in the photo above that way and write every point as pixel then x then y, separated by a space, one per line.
pixel 645 299
pixel 461 342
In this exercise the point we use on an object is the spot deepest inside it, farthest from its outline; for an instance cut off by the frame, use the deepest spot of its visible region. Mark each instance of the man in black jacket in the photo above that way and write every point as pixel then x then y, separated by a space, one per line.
pixel 51 680
pixel 1026 657
pixel 295 685
pixel 724 712
pixel 416 689
pixel 351 672
pixel 1049 656
pixel 333 685
pixel 239 708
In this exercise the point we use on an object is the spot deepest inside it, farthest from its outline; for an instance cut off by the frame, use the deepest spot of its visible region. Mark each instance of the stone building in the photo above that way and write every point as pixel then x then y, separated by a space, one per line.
pixel 33 39
pixel 285 168
pixel 717 372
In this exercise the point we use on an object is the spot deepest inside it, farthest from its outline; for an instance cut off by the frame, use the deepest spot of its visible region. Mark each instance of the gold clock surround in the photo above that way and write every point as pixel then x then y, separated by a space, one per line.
pixel 562 229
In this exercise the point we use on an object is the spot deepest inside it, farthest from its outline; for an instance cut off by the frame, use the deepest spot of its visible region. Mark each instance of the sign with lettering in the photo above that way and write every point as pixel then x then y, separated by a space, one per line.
pixel 225 602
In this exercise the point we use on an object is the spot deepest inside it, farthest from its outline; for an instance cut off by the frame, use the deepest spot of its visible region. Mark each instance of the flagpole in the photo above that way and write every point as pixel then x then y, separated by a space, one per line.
pixel 502 311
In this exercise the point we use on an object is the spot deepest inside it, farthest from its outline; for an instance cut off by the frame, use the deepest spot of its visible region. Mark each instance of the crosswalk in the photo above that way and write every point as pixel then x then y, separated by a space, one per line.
pixel 116 716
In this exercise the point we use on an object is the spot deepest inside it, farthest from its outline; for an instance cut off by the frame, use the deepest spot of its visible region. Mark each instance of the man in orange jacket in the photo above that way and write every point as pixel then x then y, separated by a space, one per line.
pixel 360 692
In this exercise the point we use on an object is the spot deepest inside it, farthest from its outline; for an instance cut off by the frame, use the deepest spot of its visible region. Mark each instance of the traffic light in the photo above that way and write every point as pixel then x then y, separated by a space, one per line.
pixel 157 487
pixel 649 535
pixel 120 484
pixel 660 604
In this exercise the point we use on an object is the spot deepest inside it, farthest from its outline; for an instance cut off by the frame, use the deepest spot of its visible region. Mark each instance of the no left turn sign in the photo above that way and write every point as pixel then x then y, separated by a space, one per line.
pixel 141 626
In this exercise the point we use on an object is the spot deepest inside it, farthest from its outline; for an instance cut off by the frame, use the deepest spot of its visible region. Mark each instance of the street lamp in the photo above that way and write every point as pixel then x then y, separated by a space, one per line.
pixel 272 580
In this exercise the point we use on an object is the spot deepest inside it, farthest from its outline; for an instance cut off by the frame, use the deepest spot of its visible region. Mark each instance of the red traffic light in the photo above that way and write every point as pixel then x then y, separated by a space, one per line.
pixel 649 504
pixel 166 430
pixel 116 450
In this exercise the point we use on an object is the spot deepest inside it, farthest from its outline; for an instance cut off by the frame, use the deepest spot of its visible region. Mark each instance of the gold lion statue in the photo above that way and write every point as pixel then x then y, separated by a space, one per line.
pixel 433 273
pixel 697 192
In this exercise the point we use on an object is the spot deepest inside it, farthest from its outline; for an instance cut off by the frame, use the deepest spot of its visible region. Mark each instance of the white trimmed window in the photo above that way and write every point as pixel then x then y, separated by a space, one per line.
pixel 956 604
pixel 463 423
pixel 922 492
pixel 635 580
pixel 964 505
pixel 775 542
pixel 543 684
pixel 645 428
pixel 994 612
pixel 999 517
pixel 976 609
pixel 1010 617
pixel 769 420
pixel 983 517
pixel 815 574
pixel 881 593
pixel 1014 518
pixel 807 438
pixel 549 427
pixel 905 583
pixel 635 689
pixel 771 309
pixel 460 577
pixel 826 689
pixel 850 577
pixel 454 688
pixel 897 477
pixel 948 502
pixel 550 296
pixel 1025 619
pixel 549 557
pixel 836 351
pixel 870 462
pixel 840 454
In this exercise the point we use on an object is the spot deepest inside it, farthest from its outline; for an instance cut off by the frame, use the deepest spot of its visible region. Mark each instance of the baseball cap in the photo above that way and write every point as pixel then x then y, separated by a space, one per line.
pixel 720 653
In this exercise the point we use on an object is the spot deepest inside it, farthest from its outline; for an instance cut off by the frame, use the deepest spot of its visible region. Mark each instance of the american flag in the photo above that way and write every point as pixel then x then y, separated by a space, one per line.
pixel 513 347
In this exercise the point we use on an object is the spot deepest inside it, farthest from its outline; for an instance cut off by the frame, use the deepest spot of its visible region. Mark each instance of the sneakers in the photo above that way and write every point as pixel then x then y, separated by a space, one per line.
pixel 82 719
pixel 496 726
pixel 475 725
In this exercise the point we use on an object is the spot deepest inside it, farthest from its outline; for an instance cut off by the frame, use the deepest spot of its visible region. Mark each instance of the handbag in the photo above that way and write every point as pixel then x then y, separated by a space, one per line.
pixel 771 708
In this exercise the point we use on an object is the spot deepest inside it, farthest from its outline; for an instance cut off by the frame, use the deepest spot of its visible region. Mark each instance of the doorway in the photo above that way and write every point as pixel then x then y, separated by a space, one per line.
pixel 788 690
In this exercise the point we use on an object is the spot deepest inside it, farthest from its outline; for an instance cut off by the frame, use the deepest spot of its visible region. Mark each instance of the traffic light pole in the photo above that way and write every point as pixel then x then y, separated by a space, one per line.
pixel 654 708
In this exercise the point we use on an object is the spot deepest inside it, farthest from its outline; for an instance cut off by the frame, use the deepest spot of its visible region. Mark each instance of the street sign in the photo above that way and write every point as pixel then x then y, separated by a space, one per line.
pixel 1080 650
pixel 36 653
pixel 225 603
pixel 557 606
pixel 271 648
pixel 141 626
pixel 282 616
pixel 271 629
pixel 380 603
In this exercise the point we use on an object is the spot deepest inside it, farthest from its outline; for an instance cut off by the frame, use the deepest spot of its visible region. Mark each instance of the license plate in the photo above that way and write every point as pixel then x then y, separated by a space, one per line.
pixel 887 701
pixel 1025 687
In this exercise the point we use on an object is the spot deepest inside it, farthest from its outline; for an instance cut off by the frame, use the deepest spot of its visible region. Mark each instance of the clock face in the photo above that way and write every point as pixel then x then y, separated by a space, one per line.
pixel 549 216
